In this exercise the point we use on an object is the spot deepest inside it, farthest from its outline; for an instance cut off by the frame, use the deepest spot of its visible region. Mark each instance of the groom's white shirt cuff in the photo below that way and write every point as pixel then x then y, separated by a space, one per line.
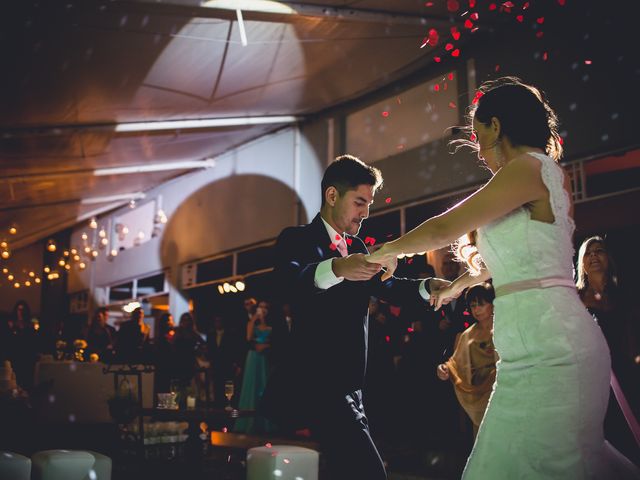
pixel 422 290
pixel 324 277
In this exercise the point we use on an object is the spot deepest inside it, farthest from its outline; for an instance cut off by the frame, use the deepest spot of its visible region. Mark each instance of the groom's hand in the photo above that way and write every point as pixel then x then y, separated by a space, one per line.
pixel 354 267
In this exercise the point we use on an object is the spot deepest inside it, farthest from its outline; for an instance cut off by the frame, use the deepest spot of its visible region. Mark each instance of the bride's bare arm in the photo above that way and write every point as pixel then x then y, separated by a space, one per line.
pixel 454 289
pixel 517 183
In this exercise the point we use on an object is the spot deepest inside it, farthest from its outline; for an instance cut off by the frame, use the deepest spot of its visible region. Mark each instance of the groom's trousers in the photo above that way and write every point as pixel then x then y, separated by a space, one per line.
pixel 343 432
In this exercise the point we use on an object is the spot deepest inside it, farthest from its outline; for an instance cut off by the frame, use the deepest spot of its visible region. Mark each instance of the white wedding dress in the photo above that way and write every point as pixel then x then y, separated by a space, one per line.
pixel 545 414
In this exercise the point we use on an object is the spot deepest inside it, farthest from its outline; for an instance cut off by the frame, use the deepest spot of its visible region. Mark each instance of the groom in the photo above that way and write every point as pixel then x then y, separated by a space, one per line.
pixel 322 272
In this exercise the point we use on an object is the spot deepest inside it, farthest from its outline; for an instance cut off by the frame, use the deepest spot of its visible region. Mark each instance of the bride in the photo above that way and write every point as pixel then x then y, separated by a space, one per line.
pixel 545 414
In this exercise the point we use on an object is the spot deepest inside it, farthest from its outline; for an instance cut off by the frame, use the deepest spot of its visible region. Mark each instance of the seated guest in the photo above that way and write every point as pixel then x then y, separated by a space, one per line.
pixel 472 367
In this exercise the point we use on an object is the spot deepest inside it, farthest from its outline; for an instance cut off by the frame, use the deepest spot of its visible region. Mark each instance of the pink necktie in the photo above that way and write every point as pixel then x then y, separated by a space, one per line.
pixel 342 248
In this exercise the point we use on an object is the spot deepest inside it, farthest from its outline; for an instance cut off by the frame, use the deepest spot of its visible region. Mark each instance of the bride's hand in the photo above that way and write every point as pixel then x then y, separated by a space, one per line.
pixel 386 257
pixel 442 294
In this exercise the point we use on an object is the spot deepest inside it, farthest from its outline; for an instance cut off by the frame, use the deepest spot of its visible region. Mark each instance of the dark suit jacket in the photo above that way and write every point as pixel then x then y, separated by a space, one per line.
pixel 328 349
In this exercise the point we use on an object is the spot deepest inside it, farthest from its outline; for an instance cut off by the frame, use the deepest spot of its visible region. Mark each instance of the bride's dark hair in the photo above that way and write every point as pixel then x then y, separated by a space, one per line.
pixel 526 118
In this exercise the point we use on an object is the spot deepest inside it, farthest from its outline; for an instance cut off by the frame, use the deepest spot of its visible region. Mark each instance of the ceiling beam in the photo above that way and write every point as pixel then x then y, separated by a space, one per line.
pixel 110 171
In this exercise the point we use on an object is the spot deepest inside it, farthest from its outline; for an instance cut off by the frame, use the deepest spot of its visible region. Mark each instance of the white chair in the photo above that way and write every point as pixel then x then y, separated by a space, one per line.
pixel 101 467
pixel 282 462
pixel 14 466
pixel 63 465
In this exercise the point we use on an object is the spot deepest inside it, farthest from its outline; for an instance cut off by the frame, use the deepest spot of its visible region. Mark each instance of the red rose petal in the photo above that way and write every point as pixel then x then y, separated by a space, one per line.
pixel 508 5
pixel 387 200
pixel 455 33
pixel 452 105
pixel 455 53
pixel 450 76
pixel 428 4
pixel 385 114
pixel 468 23
pixel 496 68
pixel 520 18
pixel 445 86
pixel 436 87
pixel 492 7
pixel 525 6
pixel 472 3
pixel 453 5
pixel 539 34
pixel 349 241
pixel 437 59
pixel 561 2
pixel 587 62
pixel 448 46
pixel 332 246
pixel 540 20
pixel 545 56
pixel 474 16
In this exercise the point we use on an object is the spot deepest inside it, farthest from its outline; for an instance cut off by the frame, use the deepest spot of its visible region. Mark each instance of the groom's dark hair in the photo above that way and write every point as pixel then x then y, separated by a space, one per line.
pixel 347 173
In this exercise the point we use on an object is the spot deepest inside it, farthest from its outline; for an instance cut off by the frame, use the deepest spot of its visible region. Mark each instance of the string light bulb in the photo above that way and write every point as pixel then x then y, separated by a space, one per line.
pixel 13 230
pixel 46 269
pixel 37 280
pixel 10 277
pixel 5 254
pixel 51 246
pixel 93 224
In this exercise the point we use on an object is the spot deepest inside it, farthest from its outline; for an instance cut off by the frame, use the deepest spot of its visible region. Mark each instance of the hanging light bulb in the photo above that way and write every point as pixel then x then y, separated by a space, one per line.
pixel 3 244
pixel 5 254
pixel 51 245
pixel 84 236
pixel 74 251
pixel 61 262
pixel 67 267
pixel 93 224
pixel 87 249
pixel 37 280
pixel 27 283
pixel 104 242
pixel 114 252
pixel 76 257
pixel 13 230
pixel 16 285
pixel 102 233
pixel 94 254
pixel 46 269
pixel 5 270
pixel 82 265
pixel 32 274
pixel 10 277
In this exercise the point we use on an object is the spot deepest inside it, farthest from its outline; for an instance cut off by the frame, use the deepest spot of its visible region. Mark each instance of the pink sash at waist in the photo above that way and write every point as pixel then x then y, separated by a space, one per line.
pixel 546 282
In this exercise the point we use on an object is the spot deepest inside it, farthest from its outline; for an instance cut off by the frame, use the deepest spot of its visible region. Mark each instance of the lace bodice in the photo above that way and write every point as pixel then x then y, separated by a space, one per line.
pixel 516 247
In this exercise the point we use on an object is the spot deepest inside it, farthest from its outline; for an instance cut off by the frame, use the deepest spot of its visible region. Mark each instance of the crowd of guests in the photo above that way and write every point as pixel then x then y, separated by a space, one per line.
pixel 439 365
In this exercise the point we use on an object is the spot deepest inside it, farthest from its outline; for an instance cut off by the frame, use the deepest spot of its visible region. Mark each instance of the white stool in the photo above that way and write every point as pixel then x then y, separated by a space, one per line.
pixel 14 466
pixel 101 467
pixel 282 462
pixel 63 465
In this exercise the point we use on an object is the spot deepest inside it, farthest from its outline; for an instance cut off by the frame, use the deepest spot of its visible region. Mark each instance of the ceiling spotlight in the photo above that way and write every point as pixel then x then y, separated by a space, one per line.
pixel 240 286
pixel 233 289
pixel 226 287
pixel 220 289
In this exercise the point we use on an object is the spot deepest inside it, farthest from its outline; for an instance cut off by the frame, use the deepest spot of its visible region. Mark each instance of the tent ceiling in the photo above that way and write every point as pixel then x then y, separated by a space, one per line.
pixel 79 69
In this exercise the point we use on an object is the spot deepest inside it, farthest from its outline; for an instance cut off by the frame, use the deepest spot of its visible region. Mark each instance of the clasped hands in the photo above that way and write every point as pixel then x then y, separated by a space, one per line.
pixel 361 267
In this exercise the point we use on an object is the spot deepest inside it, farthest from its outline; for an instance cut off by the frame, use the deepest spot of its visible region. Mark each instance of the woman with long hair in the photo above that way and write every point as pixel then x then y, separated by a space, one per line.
pixel 545 414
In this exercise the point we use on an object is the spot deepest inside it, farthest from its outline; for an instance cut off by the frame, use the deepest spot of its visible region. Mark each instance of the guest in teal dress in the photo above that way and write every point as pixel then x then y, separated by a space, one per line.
pixel 256 370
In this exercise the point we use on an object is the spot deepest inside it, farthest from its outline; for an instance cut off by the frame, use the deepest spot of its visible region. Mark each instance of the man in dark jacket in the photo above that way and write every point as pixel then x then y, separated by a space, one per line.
pixel 323 274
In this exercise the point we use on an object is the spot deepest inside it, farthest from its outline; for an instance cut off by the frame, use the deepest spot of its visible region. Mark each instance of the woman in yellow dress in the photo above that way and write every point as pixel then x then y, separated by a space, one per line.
pixel 472 367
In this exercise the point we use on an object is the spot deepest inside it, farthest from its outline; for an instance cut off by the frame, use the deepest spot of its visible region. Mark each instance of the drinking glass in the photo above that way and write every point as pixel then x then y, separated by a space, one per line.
pixel 228 392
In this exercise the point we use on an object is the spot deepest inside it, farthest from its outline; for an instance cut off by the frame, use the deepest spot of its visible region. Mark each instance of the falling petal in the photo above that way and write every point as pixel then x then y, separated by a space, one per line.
pixel 385 114
pixel 545 56
pixel 540 20
pixel 520 18
pixel 437 59
pixel 539 34
pixel 387 200
pixel 474 16
pixel 453 5
pixel 587 62
pixel 492 6
pixel 525 6
pixel 448 46
pixel 455 33
pixel 452 105
pixel 455 53
pixel 436 88
pixel 468 24
pixel 450 76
